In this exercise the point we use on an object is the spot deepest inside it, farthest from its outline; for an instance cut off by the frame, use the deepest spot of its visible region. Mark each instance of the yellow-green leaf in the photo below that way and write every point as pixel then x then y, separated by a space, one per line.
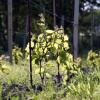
pixel 32 44
pixel 65 38
pixel 37 71
pixel 41 24
pixel 49 31
pixel 45 50
pixel 44 44
pixel 66 45
pixel 27 49
pixel 56 45
pixel 48 75
pixel 63 68
pixel 65 77
pixel 6 68
pixel 58 41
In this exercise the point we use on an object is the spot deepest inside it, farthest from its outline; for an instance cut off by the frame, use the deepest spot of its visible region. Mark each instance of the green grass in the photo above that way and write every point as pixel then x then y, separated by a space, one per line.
pixel 19 74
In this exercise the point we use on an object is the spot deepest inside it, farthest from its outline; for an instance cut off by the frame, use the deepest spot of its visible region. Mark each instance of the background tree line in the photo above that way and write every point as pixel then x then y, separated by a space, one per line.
pixel 64 16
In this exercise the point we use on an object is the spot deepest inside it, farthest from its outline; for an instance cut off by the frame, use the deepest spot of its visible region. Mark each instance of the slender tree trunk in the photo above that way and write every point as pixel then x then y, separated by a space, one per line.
pixel 10 29
pixel 75 26
pixel 92 26
pixel 29 30
pixel 25 35
pixel 54 14
pixel 58 12
pixel 62 13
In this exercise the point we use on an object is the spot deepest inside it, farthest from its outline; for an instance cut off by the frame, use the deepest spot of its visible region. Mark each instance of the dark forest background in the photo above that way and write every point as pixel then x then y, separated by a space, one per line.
pixel 89 20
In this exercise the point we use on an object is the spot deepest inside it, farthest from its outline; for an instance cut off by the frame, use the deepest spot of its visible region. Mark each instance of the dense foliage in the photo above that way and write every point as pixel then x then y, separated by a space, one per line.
pixel 55 74
pixel 50 48
pixel 81 83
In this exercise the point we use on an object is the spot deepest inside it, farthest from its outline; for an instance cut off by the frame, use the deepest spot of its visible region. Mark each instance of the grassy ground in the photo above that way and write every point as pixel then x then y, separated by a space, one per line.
pixel 17 78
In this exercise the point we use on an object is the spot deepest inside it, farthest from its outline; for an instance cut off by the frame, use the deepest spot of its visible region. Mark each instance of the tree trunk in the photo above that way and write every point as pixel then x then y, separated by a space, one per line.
pixel 10 29
pixel 29 30
pixel 92 26
pixel 58 12
pixel 75 26
pixel 54 14
pixel 25 35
